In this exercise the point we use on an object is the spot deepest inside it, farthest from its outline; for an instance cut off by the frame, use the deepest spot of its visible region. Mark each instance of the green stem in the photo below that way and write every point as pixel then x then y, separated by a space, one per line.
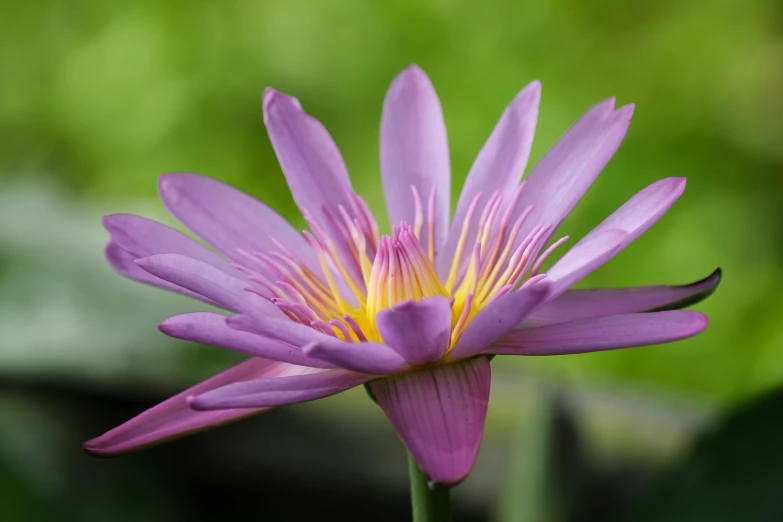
pixel 430 503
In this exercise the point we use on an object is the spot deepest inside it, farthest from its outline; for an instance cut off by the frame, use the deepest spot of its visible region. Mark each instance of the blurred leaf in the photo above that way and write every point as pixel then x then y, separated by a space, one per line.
pixel 735 472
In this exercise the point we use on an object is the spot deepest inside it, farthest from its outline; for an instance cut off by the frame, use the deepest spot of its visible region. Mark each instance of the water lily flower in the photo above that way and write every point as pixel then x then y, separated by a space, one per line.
pixel 417 314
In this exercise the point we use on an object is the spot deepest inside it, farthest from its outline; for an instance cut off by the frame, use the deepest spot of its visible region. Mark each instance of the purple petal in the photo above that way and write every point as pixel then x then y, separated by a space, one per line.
pixel 143 237
pixel 124 263
pixel 584 304
pixel 211 328
pixel 562 177
pixel 229 219
pixel 586 256
pixel 372 358
pixel 290 332
pixel 266 393
pixel 602 333
pixel 439 414
pixel 645 208
pixel 500 164
pixel 312 165
pixel 498 318
pixel 173 418
pixel 418 330
pixel 632 219
pixel 208 281
pixel 415 152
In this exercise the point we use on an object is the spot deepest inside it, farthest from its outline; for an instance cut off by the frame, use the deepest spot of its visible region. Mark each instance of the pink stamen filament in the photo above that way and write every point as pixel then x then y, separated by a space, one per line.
pixel 399 267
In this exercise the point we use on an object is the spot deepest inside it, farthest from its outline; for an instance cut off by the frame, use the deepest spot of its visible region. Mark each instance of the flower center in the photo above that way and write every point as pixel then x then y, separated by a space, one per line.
pixel 402 271
pixel 362 274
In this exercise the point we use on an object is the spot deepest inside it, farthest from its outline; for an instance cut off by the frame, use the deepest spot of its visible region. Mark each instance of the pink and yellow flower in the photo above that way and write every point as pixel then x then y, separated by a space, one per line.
pixel 415 314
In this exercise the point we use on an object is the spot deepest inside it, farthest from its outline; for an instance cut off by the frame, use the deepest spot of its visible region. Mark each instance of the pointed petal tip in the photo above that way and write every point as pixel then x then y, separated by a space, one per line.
pixel 710 283
pixel 412 77
pixel 533 89
pixel 604 108
pixel 102 447
pixel 625 112
pixel 193 403
pixel 169 326
pixel 145 262
pixel 170 186
pixel 274 99
pixel 93 447
pixel 173 179
pixel 527 99
pixel 269 94
pixel 413 70
pixel 237 322
pixel 117 223
pixel 109 221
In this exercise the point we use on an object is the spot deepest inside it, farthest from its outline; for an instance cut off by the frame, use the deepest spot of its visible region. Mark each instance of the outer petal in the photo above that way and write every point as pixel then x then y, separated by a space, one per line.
pixel 372 358
pixel 143 237
pixel 415 152
pixel 284 330
pixel 133 237
pixel 633 219
pixel 500 164
pixel 562 177
pixel 211 328
pixel 124 263
pixel 602 333
pixel 584 304
pixel 173 418
pixel 265 393
pixel 418 330
pixel 590 253
pixel 439 414
pixel 229 219
pixel 498 318
pixel 206 280
pixel 312 165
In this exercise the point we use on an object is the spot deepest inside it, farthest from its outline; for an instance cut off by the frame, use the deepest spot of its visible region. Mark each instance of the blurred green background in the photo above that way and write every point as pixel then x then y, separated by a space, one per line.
pixel 99 98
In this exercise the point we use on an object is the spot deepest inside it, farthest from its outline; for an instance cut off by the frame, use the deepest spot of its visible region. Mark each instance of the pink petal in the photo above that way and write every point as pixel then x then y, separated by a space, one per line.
pixel 632 219
pixel 586 256
pixel 562 177
pixel 208 281
pixel 439 414
pixel 173 418
pixel 500 164
pixel 211 328
pixel 602 333
pixel 312 165
pixel 418 330
pixel 584 304
pixel 499 317
pixel 229 219
pixel 143 237
pixel 124 263
pixel 295 334
pixel 415 152
pixel 264 393
pixel 372 358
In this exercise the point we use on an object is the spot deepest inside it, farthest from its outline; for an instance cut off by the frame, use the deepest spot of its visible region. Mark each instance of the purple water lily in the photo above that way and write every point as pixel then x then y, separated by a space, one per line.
pixel 416 314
